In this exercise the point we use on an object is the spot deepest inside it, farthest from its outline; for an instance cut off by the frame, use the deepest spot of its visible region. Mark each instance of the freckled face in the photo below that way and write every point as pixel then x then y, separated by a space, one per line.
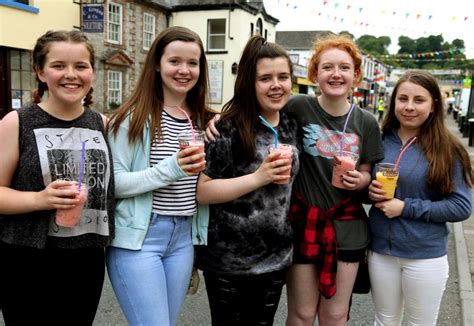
pixel 413 105
pixel 336 73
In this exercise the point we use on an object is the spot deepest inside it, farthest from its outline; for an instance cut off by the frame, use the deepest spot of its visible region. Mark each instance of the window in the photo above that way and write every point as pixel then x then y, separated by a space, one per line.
pixel 21 77
pixel 115 88
pixel 216 34
pixel 148 30
pixel 115 23
pixel 259 27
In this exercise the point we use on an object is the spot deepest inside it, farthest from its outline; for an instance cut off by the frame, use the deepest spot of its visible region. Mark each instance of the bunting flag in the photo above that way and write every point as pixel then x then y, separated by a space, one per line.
pixel 426 55
pixel 384 17
pixel 407 14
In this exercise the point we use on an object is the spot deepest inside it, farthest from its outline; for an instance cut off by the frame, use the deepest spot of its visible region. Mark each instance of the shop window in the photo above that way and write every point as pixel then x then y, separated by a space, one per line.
pixel 21 78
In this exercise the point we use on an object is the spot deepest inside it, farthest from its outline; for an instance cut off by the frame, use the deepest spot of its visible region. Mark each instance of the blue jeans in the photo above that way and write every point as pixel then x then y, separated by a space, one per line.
pixel 151 283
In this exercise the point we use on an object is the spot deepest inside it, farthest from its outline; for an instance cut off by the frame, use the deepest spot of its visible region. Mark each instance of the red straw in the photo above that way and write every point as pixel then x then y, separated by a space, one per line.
pixel 401 153
pixel 190 122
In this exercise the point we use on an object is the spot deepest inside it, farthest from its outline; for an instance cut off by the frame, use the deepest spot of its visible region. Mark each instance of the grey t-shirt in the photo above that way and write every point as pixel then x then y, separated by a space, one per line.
pixel 321 135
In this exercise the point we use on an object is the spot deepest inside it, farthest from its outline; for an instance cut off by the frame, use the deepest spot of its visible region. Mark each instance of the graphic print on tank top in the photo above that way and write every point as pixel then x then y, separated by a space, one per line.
pixel 321 141
pixel 60 151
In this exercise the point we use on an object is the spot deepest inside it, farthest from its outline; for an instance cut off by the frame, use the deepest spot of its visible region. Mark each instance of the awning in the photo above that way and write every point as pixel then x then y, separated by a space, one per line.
pixel 304 81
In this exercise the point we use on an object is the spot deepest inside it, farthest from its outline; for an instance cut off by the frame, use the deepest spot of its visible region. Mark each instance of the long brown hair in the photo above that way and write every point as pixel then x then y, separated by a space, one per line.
pixel 243 107
pixel 41 50
pixel 147 100
pixel 440 146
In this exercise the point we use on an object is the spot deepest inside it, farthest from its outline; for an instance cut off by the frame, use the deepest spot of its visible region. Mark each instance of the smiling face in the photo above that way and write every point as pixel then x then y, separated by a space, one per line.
pixel 179 68
pixel 336 73
pixel 272 85
pixel 413 105
pixel 68 73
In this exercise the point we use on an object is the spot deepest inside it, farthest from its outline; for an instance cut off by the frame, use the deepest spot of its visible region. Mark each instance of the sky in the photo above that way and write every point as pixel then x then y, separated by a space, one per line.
pixel 412 18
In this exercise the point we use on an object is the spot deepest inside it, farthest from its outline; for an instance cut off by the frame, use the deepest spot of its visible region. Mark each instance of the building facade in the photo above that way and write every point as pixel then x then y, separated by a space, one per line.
pixel 20 25
pixel 122 32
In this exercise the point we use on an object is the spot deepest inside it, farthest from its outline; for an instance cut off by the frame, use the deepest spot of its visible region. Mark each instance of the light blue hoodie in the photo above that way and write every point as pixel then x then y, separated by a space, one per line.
pixel 135 181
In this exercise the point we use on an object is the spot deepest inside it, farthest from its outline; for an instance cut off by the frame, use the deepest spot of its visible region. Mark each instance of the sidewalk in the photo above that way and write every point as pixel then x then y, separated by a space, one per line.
pixel 464 239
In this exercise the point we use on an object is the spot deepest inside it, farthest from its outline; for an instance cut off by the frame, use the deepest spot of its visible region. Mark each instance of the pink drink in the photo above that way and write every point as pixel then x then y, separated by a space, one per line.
pixel 346 162
pixel 285 151
pixel 187 139
pixel 70 217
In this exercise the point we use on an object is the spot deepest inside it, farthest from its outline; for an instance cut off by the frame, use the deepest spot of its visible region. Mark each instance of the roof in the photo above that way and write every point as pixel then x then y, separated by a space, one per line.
pixel 254 7
pixel 298 40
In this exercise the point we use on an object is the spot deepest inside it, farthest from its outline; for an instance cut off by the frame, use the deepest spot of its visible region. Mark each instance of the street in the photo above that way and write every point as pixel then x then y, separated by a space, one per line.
pixel 195 311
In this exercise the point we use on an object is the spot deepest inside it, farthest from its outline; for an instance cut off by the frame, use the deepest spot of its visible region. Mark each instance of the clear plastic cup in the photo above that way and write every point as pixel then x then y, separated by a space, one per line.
pixel 285 151
pixel 342 163
pixel 387 175
pixel 71 217
pixel 186 139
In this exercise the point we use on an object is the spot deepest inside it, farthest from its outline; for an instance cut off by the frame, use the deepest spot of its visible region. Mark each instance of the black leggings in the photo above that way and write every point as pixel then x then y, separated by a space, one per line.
pixel 249 300
pixel 50 286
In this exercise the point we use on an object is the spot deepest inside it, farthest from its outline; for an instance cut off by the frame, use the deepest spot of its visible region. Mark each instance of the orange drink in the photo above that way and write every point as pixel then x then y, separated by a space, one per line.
pixel 387 175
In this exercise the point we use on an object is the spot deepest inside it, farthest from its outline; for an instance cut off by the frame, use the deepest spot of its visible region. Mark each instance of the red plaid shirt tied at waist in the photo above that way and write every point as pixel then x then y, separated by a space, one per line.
pixel 319 243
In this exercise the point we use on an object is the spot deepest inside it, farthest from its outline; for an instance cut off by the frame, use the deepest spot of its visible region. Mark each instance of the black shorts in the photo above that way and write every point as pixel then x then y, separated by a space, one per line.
pixel 347 256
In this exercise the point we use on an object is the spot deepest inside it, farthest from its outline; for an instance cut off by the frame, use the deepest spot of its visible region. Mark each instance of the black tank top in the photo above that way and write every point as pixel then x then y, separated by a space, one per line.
pixel 51 149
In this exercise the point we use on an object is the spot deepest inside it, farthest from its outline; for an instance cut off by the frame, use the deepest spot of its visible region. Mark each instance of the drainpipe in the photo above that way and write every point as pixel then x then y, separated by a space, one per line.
pixel 230 10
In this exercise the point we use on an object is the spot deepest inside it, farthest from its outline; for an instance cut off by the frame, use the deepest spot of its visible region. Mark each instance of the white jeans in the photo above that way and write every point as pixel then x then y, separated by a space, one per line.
pixel 413 285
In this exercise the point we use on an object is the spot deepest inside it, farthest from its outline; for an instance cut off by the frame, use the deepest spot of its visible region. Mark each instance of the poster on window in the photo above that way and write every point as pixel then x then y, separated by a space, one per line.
pixel 216 70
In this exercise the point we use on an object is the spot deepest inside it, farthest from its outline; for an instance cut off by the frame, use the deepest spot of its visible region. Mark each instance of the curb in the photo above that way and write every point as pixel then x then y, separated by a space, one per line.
pixel 465 283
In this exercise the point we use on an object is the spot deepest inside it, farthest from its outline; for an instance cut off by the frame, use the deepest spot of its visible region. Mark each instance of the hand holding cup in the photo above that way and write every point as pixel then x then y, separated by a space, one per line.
pixel 191 157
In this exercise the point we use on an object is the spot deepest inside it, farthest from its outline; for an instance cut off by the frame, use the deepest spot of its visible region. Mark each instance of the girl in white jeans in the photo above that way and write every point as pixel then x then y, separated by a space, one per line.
pixel 416 284
pixel 408 265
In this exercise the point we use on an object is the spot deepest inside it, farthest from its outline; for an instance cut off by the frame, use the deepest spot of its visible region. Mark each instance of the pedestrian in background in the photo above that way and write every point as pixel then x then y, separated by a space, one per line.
pixel 330 223
pixel 53 275
pixel 381 108
pixel 249 237
pixel 408 262
pixel 151 258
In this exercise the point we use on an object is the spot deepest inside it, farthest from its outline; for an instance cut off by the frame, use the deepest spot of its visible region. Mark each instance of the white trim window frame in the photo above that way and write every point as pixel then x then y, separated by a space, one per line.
pixel 114 89
pixel 216 32
pixel 148 30
pixel 114 34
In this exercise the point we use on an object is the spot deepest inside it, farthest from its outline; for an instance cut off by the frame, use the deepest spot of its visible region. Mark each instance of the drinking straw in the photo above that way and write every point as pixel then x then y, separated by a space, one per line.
pixel 81 166
pixel 401 153
pixel 190 122
pixel 275 133
pixel 344 129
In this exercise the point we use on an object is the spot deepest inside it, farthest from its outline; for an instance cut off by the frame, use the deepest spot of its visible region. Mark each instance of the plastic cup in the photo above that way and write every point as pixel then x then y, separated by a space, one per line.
pixel 70 217
pixel 186 139
pixel 285 151
pixel 341 164
pixel 386 174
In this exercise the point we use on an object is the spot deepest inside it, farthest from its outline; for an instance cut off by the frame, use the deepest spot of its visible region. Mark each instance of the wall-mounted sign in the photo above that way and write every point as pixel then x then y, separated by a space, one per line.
pixel 93 18
pixel 216 71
